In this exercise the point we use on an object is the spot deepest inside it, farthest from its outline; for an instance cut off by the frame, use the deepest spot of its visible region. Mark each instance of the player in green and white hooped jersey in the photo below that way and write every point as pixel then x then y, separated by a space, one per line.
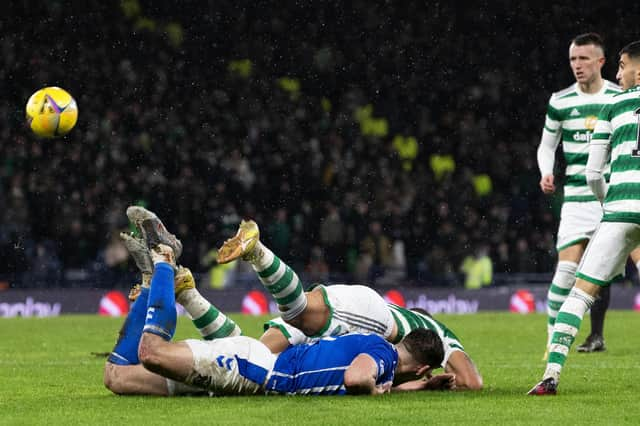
pixel 571 116
pixel 617 133
pixel 334 310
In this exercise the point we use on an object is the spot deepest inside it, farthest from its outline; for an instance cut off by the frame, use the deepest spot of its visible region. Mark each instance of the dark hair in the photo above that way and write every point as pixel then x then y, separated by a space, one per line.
pixel 631 49
pixel 425 346
pixel 589 38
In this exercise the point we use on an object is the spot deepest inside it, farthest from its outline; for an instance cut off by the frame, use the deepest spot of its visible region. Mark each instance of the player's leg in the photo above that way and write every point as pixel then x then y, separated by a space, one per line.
pixel 594 272
pixel 156 351
pixel 138 250
pixel 123 373
pixel 134 380
pixel 279 335
pixel 232 365
pixel 125 351
pixel 563 280
pixel 278 278
pixel 578 221
pixel 595 340
pixel 209 320
pixel 139 215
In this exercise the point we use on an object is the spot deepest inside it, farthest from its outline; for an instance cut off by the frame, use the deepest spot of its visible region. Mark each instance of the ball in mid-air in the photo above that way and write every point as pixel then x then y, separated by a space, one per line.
pixel 51 112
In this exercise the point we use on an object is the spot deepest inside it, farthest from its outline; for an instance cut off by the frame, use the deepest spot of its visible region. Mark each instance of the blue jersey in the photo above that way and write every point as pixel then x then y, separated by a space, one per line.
pixel 318 368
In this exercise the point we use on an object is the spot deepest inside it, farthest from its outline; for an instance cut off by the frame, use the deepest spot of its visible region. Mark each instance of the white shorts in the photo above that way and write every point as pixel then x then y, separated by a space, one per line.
pixel 230 366
pixel 578 221
pixel 354 309
pixel 606 255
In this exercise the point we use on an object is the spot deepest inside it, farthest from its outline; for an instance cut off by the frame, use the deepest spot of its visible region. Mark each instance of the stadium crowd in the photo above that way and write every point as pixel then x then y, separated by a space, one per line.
pixel 369 141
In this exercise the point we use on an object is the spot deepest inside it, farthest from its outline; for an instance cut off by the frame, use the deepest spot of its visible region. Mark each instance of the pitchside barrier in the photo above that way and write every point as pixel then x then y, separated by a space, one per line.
pixel 255 301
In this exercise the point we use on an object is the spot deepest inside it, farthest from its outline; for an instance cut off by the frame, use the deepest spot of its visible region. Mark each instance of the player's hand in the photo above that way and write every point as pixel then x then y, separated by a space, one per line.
pixel 382 388
pixel 547 185
pixel 444 381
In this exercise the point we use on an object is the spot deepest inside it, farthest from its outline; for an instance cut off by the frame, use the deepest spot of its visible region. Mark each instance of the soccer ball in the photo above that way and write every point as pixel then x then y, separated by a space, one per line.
pixel 51 112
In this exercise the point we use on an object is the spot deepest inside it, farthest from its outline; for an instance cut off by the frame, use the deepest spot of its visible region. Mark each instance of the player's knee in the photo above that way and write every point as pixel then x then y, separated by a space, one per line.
pixel 149 352
pixel 112 379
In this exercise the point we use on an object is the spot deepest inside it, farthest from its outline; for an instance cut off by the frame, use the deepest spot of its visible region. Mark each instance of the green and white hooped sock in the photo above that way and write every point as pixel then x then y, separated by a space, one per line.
pixel 565 330
pixel 279 280
pixel 210 322
pixel 563 280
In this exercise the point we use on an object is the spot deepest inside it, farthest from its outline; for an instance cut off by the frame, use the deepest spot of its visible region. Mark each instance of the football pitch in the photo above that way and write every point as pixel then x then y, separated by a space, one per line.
pixel 48 375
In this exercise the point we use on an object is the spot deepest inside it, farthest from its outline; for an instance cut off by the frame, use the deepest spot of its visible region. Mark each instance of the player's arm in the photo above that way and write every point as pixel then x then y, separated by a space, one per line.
pixel 466 374
pixel 361 375
pixel 599 156
pixel 445 381
pixel 547 149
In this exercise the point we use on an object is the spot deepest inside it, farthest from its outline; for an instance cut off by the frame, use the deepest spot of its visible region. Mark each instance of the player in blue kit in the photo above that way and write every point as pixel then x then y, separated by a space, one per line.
pixel 145 361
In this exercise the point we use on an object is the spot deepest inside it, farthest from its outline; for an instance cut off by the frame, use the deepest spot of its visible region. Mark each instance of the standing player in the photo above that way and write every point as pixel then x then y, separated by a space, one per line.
pixel 571 117
pixel 616 134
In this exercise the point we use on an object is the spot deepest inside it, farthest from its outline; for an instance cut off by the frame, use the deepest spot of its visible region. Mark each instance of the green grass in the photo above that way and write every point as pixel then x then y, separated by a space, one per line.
pixel 48 376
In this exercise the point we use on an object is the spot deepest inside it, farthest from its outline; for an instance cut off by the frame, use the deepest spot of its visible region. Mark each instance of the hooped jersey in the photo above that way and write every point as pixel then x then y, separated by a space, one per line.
pixel 618 127
pixel 408 320
pixel 571 118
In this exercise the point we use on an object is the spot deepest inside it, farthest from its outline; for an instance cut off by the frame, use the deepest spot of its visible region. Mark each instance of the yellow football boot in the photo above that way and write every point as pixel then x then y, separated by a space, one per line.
pixel 240 245
pixel 183 280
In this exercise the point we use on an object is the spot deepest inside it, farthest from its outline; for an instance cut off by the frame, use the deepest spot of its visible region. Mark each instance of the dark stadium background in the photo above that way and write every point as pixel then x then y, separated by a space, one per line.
pixel 168 119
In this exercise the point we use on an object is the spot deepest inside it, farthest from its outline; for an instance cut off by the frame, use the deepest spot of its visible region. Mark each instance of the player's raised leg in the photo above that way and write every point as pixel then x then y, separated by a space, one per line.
pixel 236 365
pixel 139 215
pixel 209 320
pixel 278 278
pixel 123 373
pixel 138 250
pixel 156 352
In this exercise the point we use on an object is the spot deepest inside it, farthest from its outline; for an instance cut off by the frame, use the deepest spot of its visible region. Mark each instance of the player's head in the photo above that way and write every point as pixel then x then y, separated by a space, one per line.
pixel 586 57
pixel 629 66
pixel 425 347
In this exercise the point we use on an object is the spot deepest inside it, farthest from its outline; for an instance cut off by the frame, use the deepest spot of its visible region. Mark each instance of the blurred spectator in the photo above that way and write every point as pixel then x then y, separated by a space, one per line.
pixel 317 269
pixel 375 253
pixel 278 234
pixel 477 268
pixel 332 236
pixel 45 269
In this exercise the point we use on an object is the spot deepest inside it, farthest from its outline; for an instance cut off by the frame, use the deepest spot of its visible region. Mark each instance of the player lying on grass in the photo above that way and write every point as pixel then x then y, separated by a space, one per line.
pixel 324 311
pixel 145 361
pixel 336 309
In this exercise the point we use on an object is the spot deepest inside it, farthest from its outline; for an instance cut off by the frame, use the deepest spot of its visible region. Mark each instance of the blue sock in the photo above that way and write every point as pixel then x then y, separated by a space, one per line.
pixel 126 350
pixel 161 312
